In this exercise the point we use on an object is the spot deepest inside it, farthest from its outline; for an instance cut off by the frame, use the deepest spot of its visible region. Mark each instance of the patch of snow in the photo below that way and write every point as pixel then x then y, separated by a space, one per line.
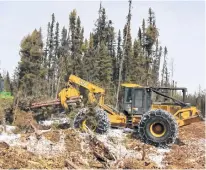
pixel 11 139
pixel 128 130
pixel 158 156
pixel 40 146
pixel 45 147
pixel 9 129
pixel 114 141
pixel 54 121
pixel 47 122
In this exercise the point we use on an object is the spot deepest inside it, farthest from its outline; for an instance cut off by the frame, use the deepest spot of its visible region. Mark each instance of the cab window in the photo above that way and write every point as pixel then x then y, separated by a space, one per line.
pixel 138 98
pixel 128 95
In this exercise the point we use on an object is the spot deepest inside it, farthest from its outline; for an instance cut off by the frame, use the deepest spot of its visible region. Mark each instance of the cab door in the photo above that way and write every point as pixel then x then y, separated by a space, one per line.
pixel 127 100
pixel 141 101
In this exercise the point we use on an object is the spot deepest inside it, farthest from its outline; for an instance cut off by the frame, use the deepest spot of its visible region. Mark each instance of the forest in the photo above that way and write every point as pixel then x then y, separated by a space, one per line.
pixel 43 66
pixel 41 129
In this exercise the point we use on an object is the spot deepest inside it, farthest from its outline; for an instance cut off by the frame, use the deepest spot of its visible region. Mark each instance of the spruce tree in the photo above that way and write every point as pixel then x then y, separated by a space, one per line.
pixel 118 56
pixel 30 64
pixel 90 62
pixel 64 61
pixel 140 36
pixel 104 66
pixel 151 36
pixel 137 66
pixel 76 42
pixel 101 30
pixel 143 36
pixel 155 65
pixel 7 83
pixel 127 48
pixel 46 50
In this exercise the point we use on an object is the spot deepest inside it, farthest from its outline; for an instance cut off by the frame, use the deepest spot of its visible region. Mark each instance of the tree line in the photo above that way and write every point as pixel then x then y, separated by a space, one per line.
pixel 43 65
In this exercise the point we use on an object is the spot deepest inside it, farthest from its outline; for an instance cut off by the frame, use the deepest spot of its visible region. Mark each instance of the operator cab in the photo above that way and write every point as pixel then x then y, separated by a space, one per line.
pixel 136 99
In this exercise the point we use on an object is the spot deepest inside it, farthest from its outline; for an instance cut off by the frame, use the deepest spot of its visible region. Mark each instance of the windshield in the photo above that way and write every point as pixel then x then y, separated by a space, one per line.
pixel 128 95
pixel 138 98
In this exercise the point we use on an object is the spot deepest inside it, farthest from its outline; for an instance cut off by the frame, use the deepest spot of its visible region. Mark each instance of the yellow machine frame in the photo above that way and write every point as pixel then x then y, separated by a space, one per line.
pixel 183 116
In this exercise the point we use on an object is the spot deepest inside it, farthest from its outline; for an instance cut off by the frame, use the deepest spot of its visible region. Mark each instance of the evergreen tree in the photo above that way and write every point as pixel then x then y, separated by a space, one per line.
pixel 143 35
pixel 64 62
pixel 90 62
pixel 104 66
pixel 151 36
pixel 45 59
pixel 100 32
pixel 51 43
pixel 127 48
pixel 151 16
pixel 7 83
pixel 51 58
pixel 155 66
pixel 76 42
pixel 135 64
pixel 56 40
pixel 140 35
pixel 104 34
pixel 30 65
pixel 118 56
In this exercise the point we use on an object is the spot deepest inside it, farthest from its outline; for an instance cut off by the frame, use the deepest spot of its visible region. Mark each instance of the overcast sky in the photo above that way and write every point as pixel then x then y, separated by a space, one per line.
pixel 181 25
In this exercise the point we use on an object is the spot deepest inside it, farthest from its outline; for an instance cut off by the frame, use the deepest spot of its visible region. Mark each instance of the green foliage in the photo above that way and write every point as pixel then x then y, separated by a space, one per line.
pixel 7 83
pixel 6 95
pixel 5 103
pixel 95 59
pixel 30 63
pixel 104 66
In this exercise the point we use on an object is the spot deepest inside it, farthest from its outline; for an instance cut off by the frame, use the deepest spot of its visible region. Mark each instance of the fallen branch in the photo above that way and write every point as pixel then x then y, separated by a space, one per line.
pixel 143 153
pixel 99 157
pixel 68 162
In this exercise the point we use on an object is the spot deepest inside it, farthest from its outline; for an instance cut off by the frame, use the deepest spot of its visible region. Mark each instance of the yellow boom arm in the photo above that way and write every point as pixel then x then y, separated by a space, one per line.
pixel 93 89
pixel 114 116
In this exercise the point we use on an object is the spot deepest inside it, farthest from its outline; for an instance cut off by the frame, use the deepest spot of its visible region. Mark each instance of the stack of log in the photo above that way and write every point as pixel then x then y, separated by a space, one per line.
pixel 70 101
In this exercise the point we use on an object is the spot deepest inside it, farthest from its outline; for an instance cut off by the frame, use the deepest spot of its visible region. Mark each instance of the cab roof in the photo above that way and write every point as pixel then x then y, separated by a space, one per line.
pixel 130 85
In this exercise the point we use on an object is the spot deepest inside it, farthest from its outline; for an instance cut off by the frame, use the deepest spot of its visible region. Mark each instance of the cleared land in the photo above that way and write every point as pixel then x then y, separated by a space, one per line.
pixel 72 149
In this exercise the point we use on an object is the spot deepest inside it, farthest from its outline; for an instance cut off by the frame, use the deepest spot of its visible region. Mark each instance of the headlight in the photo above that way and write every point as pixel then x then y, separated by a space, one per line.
pixel 135 109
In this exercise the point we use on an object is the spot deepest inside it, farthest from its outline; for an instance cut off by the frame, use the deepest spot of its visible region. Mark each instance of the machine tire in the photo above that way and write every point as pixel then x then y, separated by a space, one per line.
pixel 101 117
pixel 163 118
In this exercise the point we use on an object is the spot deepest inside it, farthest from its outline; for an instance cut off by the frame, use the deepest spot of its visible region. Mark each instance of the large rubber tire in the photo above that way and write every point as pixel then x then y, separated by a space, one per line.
pixel 164 118
pixel 103 123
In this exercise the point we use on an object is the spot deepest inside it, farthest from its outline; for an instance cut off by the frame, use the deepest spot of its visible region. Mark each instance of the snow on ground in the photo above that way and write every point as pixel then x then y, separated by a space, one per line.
pixel 44 146
pixel 11 139
pixel 115 141
pixel 9 129
pixel 40 146
pixel 55 121
pixel 158 156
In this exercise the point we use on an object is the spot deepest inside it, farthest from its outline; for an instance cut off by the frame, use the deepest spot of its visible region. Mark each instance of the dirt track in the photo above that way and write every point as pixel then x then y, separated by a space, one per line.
pixel 190 151
pixel 115 150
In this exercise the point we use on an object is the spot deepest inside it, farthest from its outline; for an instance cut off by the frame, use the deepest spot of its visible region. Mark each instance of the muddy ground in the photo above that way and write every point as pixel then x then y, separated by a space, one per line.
pixel 70 148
